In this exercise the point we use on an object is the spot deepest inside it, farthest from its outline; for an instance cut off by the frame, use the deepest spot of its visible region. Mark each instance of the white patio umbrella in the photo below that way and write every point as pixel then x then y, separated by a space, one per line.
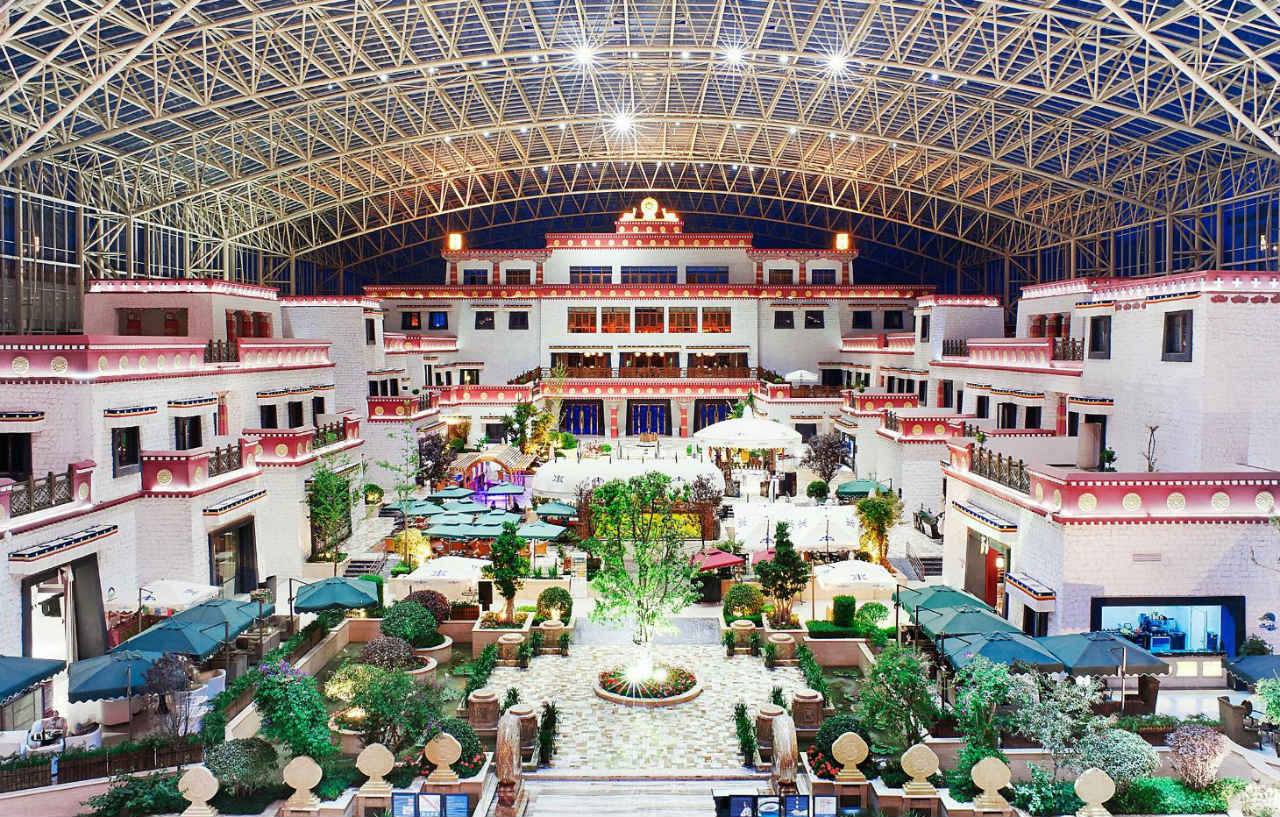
pixel 864 581
pixel 748 431
pixel 800 376
pixel 451 575
pixel 164 596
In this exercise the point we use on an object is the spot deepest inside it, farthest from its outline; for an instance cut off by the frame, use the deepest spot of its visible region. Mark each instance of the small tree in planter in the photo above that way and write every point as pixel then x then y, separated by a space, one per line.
pixel 169 679
pixel 1055 714
pixel 895 700
pixel 329 499
pixel 507 567
pixel 404 473
pixel 435 455
pixel 783 576
pixel 412 622
pixel 878 514
pixel 818 489
pixel 1197 752
pixel 826 455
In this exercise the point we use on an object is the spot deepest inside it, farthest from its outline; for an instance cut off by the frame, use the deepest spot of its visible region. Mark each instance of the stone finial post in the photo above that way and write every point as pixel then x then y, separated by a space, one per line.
pixel 806 708
pixel 509 646
pixel 919 762
pixel 443 751
pixel 375 761
pixel 198 785
pixel 1094 787
pixel 786 754
pixel 849 750
pixel 508 760
pixel 528 719
pixel 990 775
pixel 764 727
pixel 482 709
pixel 302 774
pixel 785 644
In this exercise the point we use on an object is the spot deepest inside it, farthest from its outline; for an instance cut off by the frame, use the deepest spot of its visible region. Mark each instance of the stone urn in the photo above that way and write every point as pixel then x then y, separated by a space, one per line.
pixel 482 709
pixel 785 644
pixel 509 645
pixel 551 630
pixel 764 728
pixel 742 631
pixel 806 709
pixel 528 718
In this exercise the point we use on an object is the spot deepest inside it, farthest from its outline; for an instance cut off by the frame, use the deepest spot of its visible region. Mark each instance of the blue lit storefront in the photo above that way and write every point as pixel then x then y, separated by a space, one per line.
pixel 1173 625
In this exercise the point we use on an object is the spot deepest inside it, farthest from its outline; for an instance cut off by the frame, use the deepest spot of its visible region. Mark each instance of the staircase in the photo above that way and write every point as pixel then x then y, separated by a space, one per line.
pixel 364 564
pixel 928 566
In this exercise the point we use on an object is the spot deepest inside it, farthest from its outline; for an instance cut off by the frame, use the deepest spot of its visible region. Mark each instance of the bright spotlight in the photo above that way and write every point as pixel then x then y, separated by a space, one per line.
pixel 584 55
pixel 622 122
pixel 734 55
pixel 836 63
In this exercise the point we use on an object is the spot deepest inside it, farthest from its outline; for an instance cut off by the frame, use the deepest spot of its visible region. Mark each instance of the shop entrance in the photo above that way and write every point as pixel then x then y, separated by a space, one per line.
pixel 233 558
pixel 985 563
pixel 62 612
pixel 582 418
pixel 649 417
pixel 710 412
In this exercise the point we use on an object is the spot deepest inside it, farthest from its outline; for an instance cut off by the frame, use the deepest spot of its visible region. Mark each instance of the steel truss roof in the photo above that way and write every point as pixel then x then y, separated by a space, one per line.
pixel 295 126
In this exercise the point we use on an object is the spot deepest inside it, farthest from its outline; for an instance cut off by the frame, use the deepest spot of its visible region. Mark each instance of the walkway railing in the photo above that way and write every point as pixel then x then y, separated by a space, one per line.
pixel 999 468
pixel 224 460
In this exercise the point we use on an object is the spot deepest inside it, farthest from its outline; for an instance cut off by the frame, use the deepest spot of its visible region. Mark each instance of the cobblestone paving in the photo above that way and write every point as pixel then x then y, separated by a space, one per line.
pixel 597 735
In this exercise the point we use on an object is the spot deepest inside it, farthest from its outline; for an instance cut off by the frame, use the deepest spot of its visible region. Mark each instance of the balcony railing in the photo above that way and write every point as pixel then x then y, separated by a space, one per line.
pixel 815 391
pixel 221 351
pixel 1068 349
pixel 649 371
pixel 329 433
pixel 530 376
pixel 999 468
pixel 891 421
pixel 728 372
pixel 224 460
pixel 955 347
pixel 588 371
pixel 36 494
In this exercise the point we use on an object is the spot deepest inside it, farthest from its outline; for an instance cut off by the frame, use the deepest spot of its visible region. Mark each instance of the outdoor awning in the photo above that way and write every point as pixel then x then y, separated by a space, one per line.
pixel 1031 592
pixel 750 432
pixel 859 488
pixel 936 597
pixel 504 489
pixel 466 506
pixel 557 509
pixel 18 674
pixel 1251 669
pixel 714 559
pixel 961 621
pixel 114 675
pixel 450 568
pixel 1013 649
pixel 763 556
pixel 335 593
pixel 987 521
pixel 1102 653
pixel 164 596
pixel 500 518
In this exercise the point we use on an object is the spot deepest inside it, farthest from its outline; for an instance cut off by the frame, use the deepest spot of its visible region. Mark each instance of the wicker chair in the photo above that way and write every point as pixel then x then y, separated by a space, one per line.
pixel 1233 722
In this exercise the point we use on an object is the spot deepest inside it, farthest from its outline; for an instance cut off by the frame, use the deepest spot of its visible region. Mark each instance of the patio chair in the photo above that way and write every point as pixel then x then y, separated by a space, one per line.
pixel 1144 701
pixel 1233 717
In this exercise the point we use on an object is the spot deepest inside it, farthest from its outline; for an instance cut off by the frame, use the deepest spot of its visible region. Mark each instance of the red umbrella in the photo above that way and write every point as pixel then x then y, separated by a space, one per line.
pixel 763 556
pixel 715 559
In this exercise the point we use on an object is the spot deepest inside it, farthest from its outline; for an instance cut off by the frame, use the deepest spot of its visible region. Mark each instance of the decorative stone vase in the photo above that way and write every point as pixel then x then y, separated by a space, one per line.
pixel 509 646
pixel 785 645
pixel 742 631
pixel 551 630
pixel 528 718
pixel 806 709
pixel 764 728
pixel 482 709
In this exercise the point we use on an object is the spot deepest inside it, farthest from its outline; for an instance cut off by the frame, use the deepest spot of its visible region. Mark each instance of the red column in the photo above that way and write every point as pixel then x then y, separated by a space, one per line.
pixel 684 421
pixel 613 421
pixel 844 273
pixel 537 273
pixel 453 272
pixel 938 399
pixel 759 273
pixel 1060 428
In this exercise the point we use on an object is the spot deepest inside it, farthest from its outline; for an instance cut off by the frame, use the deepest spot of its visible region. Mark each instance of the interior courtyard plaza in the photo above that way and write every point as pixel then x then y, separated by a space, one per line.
pixel 495 408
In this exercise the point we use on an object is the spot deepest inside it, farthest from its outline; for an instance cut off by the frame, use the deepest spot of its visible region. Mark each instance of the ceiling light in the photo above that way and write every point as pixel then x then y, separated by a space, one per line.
pixel 524 129
pixel 533 58
pixel 622 122
pixel 792 130
pixel 734 55
pixel 935 76
pixel 836 63
pixel 733 167
pixel 486 134
pixel 484 63
pixel 831 135
pixel 546 168
pixel 783 59
pixel 447 138
pixel 737 126
pixel 584 55
pixel 853 137
pixel 431 69
pixel 382 77
pixel 562 126
pixel 684 55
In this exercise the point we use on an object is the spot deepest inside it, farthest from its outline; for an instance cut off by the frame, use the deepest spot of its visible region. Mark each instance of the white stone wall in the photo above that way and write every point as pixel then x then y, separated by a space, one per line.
pixel 353 358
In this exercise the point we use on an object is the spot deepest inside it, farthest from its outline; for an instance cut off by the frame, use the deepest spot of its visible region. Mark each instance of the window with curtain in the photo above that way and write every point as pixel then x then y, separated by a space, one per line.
pixel 582 319
pixel 815 319
pixel 518 320
pixel 648 275
pixel 1177 336
pixel 615 319
pixel 410 320
pixel 822 276
pixel 784 319
pixel 484 319
pixel 706 275
pixel 518 276
pixel 781 275
pixel 682 319
pixel 187 433
pixel 649 319
pixel 590 275
pixel 475 277
pixel 716 319
pixel 438 320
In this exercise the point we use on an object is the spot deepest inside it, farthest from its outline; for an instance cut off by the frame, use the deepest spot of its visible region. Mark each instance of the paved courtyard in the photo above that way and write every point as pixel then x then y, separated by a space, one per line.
pixel 695 736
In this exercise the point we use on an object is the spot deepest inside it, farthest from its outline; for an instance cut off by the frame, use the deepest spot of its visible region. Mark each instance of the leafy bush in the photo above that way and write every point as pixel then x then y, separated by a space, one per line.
pixel 389 653
pixel 835 726
pixel 1165 795
pixel 131 796
pixel 1254 645
pixel 1122 755
pixel 242 765
pixel 377 581
pixel 872 613
pixel 555 598
pixel 770 655
pixel 746 733
pixel 479 670
pixel 563 642
pixel 435 602
pixel 347 680
pixel 293 711
pixel 412 622
pixel 1258 800
pixel 960 777
pixel 811 671
pixel 895 700
pixel 1042 796
pixel 754 643
pixel 1196 753
pixel 829 629
pixel 743 601
pixel 396 711
pixel 1139 723
pixel 817 490
pixel 843 611
pixel 471 759
pixel 549 725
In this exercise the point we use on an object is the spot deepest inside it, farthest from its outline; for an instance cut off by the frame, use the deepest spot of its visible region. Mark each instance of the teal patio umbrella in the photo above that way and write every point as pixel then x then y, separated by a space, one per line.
pixel 455 530
pixel 185 637
pixel 420 507
pixel 455 492
pixel 466 506
pixel 936 597
pixel 999 648
pixel 231 617
pixel 336 593
pixel 504 489
pixel 19 673
pixel 1102 653
pixel 118 674
pixel 1249 669
pixel 499 518
pixel 540 530
pixel 859 489
pixel 452 519
pixel 961 621
pixel 556 509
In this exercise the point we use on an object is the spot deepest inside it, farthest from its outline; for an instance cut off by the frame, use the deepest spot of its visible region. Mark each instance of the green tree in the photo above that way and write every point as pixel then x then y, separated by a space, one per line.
pixel 435 455
pixel 784 576
pixel 404 473
pixel 896 699
pixel 396 710
pixel 1055 714
pixel 877 515
pixel 645 574
pixel 507 567
pixel 330 496
pixel 515 426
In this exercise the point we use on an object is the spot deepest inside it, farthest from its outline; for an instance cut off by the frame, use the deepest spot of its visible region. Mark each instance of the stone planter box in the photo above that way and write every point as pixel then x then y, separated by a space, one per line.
pixel 798 633
pixel 840 652
pixel 363 630
pixel 312 571
pixel 528 593
pixel 426 674
pixel 348 741
pixel 481 638
pixel 458 630
pixel 551 637
pixel 439 653
pixel 470 786
pixel 688 695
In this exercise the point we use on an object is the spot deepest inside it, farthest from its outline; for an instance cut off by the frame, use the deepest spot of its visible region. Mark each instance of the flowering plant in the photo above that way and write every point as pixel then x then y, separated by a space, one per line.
pixel 666 681
pixel 822 766
pixel 1197 752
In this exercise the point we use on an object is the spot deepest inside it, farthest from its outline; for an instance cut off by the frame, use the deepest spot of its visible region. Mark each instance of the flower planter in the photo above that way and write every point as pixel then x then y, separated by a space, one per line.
pixel 798 633
pixel 458 629
pixel 482 637
pixel 348 741
pixel 426 674
pixel 439 653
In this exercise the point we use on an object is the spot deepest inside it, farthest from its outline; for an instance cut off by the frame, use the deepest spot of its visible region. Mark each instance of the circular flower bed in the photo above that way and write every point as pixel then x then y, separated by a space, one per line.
pixel 664 681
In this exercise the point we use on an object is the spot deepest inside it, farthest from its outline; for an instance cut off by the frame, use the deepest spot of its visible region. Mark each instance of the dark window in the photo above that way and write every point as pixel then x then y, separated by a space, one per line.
pixel 590 275
pixel 650 319
pixel 948 394
pixel 783 319
pixel 468 377
pixel 1006 415
pixel 373 388
pixel 893 319
pixel 370 332
pixel 780 275
pixel 517 320
pixel 317 408
pixel 475 277
pixel 862 319
pixel 1032 419
pixel 410 320
pixel 1073 424
pixel 982 406
pixel 494 432
pixel 296 417
pixel 233 559
pixel 126 455
pixel 815 319
pixel 1034 624
pixel 822 276
pixel 706 275
pixel 1177 336
pixel 518 276
pixel 716 319
pixel 15 456
pixel 267 416
pixel 484 319
pixel 1100 336
pixel 923 393
pixel 649 275
pixel 581 319
pixel 924 327
pixel 438 320
pixel 187 433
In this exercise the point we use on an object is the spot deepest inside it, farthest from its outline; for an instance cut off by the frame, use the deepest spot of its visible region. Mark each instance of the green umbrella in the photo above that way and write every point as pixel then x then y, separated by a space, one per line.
pixel 456 492
pixel 186 637
pixel 1250 669
pixel 466 506
pixel 1102 654
pixel 336 593
pixel 936 597
pixel 540 530
pixel 455 530
pixel 420 507
pixel 556 509
pixel 961 621
pixel 999 648
pixel 859 488
pixel 451 519
pixel 230 617
pixel 18 673
pixel 504 489
pixel 117 674
pixel 499 518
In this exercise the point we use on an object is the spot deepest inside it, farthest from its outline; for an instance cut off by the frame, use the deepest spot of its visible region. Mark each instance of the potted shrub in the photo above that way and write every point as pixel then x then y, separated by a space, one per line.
pixel 818 490
pixel 412 622
pixel 389 653
pixel 373 493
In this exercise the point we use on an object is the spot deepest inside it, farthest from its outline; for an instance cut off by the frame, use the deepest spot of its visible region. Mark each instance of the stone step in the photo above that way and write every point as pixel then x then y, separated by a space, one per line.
pixel 633 797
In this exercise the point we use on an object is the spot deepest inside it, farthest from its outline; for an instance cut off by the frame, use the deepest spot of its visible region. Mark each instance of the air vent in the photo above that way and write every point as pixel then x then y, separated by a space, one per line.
pixel 1147 557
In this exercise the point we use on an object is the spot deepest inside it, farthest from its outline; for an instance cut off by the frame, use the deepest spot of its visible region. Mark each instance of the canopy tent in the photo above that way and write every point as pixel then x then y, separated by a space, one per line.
pixel 417 507
pixel 540 530
pixel 961 621
pixel 452 519
pixel 466 506
pixel 185 637
pixel 763 556
pixel 454 492
pixel 164 597
pixel 715 559
pixel 801 376
pixel 1000 648
pixel 559 479
pixel 117 674
pixel 455 576
pixel 864 581
pixel 1102 654
pixel 335 593
pixel 749 432
pixel 1251 669
pixel 230 617
pixel 936 597
pixel 19 673
pixel 454 530
pixel 557 509
pixel 859 488
pixel 810 527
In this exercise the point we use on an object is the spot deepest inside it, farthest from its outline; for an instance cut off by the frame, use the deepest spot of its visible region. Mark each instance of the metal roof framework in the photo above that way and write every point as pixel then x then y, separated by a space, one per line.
pixel 302 129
